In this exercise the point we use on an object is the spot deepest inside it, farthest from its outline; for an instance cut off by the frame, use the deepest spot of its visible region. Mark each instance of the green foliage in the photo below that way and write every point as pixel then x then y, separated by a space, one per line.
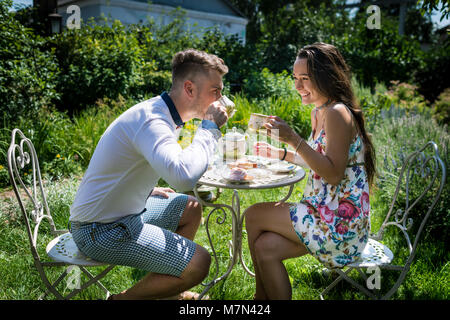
pixel 427 6
pixel 397 135
pixel 28 73
pixel 264 84
pixel 379 55
pixel 432 76
pixel 405 96
pixel 289 108
pixel 95 61
pixel 441 108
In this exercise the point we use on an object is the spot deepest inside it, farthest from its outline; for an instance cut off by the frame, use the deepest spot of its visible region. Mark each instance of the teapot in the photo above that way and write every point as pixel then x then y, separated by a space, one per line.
pixel 233 145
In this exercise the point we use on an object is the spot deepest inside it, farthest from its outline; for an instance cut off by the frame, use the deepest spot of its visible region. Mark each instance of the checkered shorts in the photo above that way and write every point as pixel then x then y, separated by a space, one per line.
pixel 145 241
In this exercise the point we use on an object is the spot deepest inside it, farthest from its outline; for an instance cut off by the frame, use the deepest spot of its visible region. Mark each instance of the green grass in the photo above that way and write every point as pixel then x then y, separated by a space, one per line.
pixel 20 280
pixel 75 140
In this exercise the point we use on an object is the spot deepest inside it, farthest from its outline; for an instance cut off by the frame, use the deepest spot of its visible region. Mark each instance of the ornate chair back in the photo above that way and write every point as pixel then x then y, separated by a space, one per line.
pixel 25 176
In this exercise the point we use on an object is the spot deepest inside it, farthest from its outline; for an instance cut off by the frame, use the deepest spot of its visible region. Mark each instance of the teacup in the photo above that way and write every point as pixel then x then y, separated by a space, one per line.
pixel 257 121
pixel 228 104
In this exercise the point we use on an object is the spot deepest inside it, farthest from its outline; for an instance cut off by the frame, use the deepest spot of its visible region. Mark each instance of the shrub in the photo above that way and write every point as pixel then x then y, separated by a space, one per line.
pixel 441 108
pixel 96 61
pixel 432 75
pixel 395 137
pixel 28 72
pixel 289 109
pixel 405 96
pixel 264 84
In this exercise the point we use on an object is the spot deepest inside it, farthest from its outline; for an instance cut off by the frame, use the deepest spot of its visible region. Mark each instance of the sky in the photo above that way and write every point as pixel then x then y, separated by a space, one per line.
pixel 435 17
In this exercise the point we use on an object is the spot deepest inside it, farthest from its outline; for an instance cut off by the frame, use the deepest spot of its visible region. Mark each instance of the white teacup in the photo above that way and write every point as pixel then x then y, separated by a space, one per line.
pixel 257 121
pixel 228 104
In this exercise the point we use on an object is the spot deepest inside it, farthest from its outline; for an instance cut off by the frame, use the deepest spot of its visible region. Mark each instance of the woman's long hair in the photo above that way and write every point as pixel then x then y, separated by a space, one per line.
pixel 331 76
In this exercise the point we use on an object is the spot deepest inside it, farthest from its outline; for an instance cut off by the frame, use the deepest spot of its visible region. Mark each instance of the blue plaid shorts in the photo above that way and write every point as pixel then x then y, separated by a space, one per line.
pixel 145 241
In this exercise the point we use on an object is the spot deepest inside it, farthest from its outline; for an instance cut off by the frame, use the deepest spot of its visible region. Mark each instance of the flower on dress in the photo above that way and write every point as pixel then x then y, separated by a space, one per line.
pixel 347 210
pixel 341 228
pixel 326 214
pixel 365 203
pixel 319 148
pixel 360 183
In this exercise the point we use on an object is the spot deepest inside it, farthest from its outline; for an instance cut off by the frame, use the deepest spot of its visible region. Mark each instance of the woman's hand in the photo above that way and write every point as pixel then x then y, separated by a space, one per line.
pixel 278 128
pixel 266 150
pixel 164 192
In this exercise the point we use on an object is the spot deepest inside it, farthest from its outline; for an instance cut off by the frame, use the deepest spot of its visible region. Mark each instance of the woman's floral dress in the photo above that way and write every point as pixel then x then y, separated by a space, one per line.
pixel 333 221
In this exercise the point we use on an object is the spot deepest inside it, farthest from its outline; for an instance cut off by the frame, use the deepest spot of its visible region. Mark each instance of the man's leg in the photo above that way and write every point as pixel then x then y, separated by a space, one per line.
pixel 190 220
pixel 159 286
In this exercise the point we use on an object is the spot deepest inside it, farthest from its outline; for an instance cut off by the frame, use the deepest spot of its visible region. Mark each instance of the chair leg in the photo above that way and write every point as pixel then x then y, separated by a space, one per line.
pixel 51 287
pixel 332 285
pixel 90 282
pixel 98 283
pixel 344 276
pixel 356 284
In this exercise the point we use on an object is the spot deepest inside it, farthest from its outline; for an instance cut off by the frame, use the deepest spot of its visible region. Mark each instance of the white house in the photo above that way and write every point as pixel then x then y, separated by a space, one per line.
pixel 203 13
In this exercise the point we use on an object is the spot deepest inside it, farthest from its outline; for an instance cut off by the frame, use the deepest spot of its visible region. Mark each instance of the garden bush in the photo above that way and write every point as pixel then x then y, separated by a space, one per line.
pixel 395 137
pixel 264 84
pixel 96 61
pixel 441 107
pixel 28 72
pixel 432 76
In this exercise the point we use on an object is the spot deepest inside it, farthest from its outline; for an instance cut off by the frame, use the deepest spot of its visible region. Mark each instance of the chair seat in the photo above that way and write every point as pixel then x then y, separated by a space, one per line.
pixel 374 254
pixel 64 249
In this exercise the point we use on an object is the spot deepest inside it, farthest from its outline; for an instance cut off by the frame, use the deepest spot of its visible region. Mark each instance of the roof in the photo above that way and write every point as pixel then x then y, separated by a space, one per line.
pixel 224 7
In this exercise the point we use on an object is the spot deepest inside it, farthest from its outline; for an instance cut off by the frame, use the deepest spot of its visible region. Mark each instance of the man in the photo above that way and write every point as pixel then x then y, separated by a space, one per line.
pixel 118 215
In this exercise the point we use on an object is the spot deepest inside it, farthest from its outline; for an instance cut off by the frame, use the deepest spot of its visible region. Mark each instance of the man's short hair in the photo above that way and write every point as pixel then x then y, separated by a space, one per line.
pixel 188 63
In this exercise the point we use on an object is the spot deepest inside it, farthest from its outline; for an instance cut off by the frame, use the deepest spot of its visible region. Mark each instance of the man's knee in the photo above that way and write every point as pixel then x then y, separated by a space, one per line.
pixel 193 209
pixel 198 267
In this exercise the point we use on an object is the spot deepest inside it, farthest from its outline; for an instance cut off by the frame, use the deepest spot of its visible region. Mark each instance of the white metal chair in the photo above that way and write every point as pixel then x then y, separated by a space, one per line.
pixel 25 176
pixel 419 165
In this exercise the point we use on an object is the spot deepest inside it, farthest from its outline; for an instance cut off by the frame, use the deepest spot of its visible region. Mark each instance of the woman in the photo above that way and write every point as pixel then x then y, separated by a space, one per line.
pixel 331 222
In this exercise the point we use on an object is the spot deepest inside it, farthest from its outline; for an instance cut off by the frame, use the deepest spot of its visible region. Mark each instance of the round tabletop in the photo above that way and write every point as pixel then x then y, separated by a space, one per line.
pixel 268 179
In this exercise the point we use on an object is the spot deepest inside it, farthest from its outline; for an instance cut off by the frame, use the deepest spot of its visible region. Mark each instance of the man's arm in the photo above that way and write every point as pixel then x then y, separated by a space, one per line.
pixel 181 168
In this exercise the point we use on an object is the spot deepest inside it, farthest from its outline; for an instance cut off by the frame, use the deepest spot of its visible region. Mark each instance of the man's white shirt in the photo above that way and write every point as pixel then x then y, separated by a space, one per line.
pixel 135 151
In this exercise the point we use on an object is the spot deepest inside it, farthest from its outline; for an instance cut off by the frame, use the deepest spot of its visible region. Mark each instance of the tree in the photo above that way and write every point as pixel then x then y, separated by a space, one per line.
pixel 427 6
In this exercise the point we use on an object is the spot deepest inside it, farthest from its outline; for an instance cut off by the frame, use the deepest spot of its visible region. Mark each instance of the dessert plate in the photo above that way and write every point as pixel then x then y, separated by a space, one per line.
pixel 281 167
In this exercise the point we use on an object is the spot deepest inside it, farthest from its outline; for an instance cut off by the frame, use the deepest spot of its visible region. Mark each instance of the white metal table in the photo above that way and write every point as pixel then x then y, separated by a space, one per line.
pixel 213 178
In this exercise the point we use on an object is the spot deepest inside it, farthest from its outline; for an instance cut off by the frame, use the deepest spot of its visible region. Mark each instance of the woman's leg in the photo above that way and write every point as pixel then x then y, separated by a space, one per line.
pixel 272 239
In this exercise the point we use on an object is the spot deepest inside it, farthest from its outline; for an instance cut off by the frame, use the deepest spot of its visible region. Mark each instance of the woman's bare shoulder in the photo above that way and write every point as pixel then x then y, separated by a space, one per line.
pixel 338 112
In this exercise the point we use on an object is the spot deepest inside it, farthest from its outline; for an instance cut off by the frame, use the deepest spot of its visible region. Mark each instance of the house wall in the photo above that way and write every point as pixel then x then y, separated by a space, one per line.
pixel 133 12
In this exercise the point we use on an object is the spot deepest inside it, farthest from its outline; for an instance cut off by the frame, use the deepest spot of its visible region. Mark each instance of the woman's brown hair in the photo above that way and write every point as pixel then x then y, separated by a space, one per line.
pixel 331 76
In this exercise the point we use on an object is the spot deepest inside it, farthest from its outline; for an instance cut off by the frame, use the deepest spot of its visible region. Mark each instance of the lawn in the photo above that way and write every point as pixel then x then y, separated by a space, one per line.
pixel 20 280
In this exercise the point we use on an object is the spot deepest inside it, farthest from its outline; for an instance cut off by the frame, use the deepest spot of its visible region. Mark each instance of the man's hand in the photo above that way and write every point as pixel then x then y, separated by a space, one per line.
pixel 161 192
pixel 217 113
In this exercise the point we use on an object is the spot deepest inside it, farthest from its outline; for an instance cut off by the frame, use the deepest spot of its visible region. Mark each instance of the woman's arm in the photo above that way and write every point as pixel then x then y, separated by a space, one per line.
pixel 338 128
pixel 295 158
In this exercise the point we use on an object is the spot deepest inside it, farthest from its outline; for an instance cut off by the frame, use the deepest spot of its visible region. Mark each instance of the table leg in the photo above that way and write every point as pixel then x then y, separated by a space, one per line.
pixel 236 241
pixel 236 233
